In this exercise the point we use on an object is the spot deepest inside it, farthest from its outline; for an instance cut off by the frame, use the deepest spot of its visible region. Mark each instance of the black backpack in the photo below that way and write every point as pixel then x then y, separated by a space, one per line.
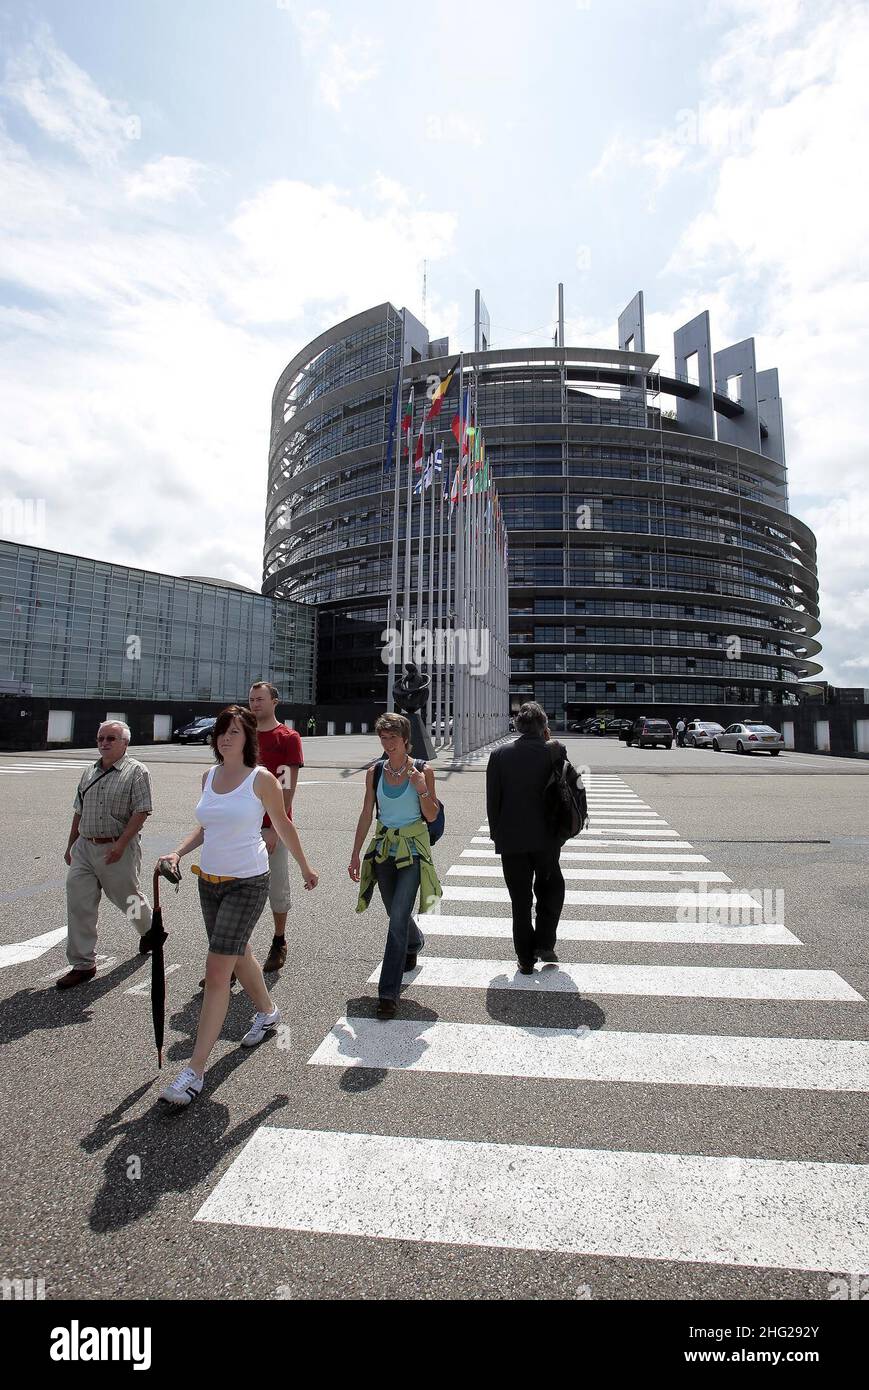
pixel 565 804
pixel 436 826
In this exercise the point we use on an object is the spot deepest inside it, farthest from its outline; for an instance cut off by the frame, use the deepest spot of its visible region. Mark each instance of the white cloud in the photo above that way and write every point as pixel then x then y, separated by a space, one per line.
pixel 161 180
pixel 299 244
pixel 778 249
pixel 340 64
pixel 139 359
pixel 65 103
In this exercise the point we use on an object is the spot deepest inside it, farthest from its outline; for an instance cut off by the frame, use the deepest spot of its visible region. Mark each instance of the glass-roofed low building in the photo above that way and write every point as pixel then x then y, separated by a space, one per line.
pixel 82 638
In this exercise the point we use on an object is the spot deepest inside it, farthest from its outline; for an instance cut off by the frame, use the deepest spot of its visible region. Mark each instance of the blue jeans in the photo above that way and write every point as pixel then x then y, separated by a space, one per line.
pixel 398 889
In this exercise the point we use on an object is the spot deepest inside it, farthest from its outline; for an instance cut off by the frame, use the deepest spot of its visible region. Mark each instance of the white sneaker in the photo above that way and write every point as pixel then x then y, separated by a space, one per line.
pixel 184 1088
pixel 259 1028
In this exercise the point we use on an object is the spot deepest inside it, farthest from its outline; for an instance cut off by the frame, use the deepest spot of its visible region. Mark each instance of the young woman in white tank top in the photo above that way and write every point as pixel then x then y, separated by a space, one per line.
pixel 233 884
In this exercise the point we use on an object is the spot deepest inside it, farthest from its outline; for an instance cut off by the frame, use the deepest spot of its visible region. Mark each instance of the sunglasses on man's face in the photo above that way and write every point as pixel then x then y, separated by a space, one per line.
pixel 108 738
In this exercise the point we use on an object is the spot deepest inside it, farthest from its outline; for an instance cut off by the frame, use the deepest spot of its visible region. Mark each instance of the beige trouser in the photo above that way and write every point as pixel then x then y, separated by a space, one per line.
pixel 279 878
pixel 88 877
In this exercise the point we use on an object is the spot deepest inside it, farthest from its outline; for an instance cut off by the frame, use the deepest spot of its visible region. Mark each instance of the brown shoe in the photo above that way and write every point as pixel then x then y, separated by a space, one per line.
pixel 75 977
pixel 277 956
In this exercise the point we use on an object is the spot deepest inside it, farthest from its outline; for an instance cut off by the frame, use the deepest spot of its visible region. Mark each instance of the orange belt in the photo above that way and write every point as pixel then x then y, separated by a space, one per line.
pixel 212 878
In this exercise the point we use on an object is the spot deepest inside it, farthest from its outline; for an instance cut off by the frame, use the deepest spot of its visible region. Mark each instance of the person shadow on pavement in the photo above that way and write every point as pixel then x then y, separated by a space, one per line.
pixel 49 1008
pixel 186 1020
pixel 365 1078
pixel 166 1149
pixel 564 1009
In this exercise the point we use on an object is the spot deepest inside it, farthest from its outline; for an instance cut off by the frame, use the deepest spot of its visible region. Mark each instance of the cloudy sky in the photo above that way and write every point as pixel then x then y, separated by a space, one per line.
pixel 192 191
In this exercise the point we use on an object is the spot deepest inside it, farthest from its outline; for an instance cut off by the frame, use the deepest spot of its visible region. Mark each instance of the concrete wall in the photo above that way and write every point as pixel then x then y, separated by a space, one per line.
pixel 24 719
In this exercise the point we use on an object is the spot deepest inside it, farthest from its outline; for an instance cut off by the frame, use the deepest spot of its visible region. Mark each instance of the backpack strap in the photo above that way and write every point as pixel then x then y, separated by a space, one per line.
pixel 378 769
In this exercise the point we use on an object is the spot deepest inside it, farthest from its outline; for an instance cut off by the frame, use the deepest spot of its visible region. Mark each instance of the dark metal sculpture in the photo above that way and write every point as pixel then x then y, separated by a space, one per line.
pixel 411 698
pixel 411 690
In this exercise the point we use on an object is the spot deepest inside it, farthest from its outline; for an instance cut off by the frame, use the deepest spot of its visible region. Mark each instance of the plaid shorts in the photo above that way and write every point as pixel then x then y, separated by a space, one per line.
pixel 231 911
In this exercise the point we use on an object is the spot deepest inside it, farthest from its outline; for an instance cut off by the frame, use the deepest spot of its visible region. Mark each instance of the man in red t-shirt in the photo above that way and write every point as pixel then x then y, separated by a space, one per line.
pixel 280 750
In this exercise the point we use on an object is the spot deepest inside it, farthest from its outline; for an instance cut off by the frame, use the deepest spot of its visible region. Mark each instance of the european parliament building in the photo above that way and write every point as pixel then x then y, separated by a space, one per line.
pixel 654 563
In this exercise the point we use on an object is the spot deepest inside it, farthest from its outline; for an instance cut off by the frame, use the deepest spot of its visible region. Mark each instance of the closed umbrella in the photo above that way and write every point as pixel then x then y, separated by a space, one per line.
pixel 155 938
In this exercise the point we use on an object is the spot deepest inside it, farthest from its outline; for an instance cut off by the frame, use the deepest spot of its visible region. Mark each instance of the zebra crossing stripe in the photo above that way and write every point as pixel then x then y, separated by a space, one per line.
pixel 656 832
pixel 573 855
pixel 737 901
pixel 581 841
pixel 20 951
pixel 609 875
pixel 677 981
pixel 768 1213
pixel 583 1054
pixel 652 832
pixel 687 933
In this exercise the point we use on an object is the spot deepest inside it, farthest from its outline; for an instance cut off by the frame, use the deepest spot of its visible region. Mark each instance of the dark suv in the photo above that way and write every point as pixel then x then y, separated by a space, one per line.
pixel 646 733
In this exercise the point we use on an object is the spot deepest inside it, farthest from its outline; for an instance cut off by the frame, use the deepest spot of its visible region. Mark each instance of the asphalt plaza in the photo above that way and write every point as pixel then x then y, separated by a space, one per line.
pixel 316 1165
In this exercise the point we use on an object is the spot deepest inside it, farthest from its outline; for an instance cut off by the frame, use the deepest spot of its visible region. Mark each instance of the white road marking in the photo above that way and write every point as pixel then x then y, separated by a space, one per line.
pixel 103 964
pixel 37 946
pixel 654 832
pixel 581 841
pixel 572 856
pixel 762 1212
pixel 699 933
pixel 41 767
pixel 583 1054
pixel 604 875
pixel 143 990
pixel 677 981
pixel 737 901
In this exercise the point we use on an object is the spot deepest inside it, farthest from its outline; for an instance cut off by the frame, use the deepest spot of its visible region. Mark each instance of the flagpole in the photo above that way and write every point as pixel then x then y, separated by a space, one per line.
pixel 449 609
pixel 473 678
pixel 431 564
pixel 406 614
pixel 392 614
pixel 460 597
pixel 420 540
pixel 438 650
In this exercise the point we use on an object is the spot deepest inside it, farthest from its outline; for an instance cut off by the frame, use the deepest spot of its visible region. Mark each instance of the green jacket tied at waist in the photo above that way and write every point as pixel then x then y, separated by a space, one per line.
pixel 403 837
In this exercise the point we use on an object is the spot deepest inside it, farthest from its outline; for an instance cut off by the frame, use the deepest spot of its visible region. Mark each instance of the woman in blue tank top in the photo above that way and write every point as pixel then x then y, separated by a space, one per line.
pixel 404 797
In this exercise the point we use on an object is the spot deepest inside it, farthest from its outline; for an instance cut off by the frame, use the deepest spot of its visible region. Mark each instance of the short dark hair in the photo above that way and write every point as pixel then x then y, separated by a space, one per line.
pixel 272 689
pixel 532 718
pixel 394 724
pixel 248 724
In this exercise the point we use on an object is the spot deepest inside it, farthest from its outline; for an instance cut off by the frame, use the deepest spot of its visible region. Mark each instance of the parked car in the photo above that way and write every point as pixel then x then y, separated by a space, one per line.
pixel 646 733
pixel 701 732
pixel 749 738
pixel 624 727
pixel 197 732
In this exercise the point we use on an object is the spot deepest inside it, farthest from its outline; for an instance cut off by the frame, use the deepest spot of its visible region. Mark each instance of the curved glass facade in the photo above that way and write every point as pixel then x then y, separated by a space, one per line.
pixel 647 566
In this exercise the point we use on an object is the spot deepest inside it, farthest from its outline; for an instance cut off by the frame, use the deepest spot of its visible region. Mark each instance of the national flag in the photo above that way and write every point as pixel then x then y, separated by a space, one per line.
pixel 456 425
pixel 454 491
pixel 407 419
pixel 426 479
pixel 419 450
pixel 407 416
pixel 439 459
pixel 437 399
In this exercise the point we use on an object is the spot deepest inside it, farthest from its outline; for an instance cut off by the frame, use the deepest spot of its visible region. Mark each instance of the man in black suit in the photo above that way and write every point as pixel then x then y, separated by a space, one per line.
pixel 515 778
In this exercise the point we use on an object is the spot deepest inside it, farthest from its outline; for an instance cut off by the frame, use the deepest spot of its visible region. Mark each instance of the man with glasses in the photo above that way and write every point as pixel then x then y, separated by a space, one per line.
pixel 104 852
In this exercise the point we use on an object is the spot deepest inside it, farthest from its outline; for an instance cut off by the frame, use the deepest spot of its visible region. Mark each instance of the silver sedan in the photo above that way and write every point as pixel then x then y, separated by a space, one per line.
pixel 749 738
pixel 701 732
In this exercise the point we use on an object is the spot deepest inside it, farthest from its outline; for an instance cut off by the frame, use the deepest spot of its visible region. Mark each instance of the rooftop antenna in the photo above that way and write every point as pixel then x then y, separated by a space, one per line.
pixel 424 283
